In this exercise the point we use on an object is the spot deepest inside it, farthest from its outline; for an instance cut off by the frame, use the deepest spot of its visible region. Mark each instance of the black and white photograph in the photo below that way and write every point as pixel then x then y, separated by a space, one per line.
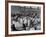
pixel 25 18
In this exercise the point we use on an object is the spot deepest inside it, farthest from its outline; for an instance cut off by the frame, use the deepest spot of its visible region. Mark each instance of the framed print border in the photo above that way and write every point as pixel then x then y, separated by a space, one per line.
pixel 6 17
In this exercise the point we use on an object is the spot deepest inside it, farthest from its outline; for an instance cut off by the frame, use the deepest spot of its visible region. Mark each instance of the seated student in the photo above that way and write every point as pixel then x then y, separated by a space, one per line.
pixel 16 26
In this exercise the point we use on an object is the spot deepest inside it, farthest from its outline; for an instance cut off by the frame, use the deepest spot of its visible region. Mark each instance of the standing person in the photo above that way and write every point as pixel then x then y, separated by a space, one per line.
pixel 31 26
pixel 28 28
pixel 25 22
pixel 37 23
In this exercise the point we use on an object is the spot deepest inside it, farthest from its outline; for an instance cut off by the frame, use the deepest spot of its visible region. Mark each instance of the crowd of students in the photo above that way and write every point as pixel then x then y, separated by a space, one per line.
pixel 20 23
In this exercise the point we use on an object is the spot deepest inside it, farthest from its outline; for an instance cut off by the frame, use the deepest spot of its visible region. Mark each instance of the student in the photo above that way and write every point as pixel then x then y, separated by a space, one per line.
pixel 24 26
pixel 25 22
pixel 37 23
pixel 21 20
pixel 13 27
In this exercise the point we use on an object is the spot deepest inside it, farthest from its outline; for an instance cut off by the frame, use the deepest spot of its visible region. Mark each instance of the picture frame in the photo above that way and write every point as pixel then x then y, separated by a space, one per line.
pixel 11 5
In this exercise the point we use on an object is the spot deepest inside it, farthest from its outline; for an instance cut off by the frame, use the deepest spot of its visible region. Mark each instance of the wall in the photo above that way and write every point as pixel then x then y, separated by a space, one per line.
pixel 2 19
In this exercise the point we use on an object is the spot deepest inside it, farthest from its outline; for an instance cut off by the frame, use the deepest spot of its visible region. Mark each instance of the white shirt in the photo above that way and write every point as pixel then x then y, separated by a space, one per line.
pixel 25 20
pixel 28 22
pixel 21 20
